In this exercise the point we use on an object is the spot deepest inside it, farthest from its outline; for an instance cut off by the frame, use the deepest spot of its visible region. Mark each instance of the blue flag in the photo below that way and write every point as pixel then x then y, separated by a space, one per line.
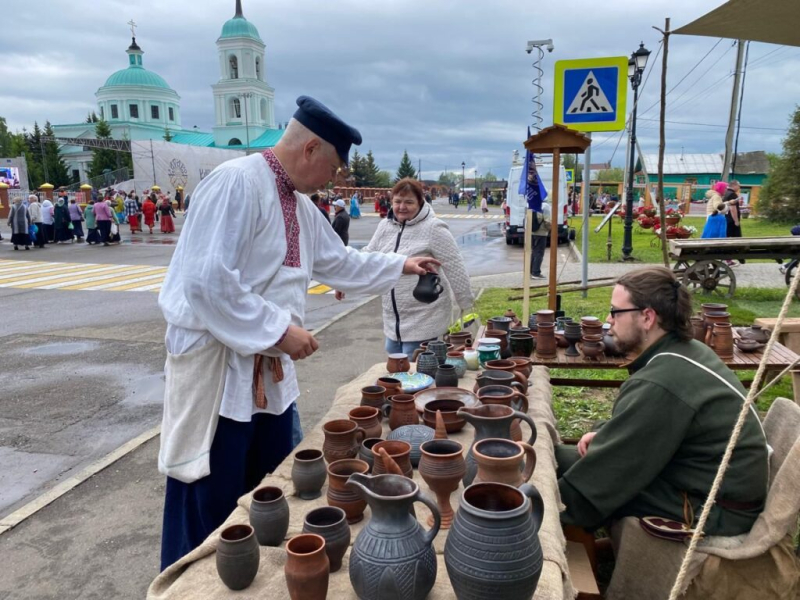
pixel 530 184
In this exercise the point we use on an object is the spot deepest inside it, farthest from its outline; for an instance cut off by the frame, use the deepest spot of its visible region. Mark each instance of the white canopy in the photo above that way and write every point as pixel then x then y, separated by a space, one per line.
pixel 771 21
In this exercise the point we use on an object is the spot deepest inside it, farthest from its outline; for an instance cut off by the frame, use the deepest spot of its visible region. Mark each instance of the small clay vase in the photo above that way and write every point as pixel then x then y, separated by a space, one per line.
pixel 330 522
pixel 237 556
pixel 342 439
pixel 398 363
pixel 308 474
pixel 442 466
pixel 365 451
pixel 342 496
pixel 368 419
pixel 502 335
pixel 722 340
pixel 546 340
pixel 449 411
pixel 456 358
pixel 269 515
pixel 307 567
pixel 401 410
pixel 521 344
pixel 400 453
pixel 427 363
pixel 446 376
pixel 373 395
pixel 499 461
pixel 393 386
pixel 593 346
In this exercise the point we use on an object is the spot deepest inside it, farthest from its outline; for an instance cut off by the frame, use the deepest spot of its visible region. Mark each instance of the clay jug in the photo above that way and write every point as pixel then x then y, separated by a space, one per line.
pixel 237 556
pixel 342 439
pixel 307 567
pixel 496 377
pixel 373 395
pixel 308 473
pixel 500 461
pixel 491 421
pixel 509 366
pixel 546 340
pixel 367 418
pixel 722 340
pixel 401 410
pixel 393 556
pixel 506 396
pixel 442 466
pixel 330 522
pixel 393 386
pixel 398 363
pixel 342 496
pixel 493 550
pixel 269 515
pixel 398 450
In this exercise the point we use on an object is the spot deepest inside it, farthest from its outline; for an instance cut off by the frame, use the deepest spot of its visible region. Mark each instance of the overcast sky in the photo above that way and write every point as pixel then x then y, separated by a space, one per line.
pixel 448 81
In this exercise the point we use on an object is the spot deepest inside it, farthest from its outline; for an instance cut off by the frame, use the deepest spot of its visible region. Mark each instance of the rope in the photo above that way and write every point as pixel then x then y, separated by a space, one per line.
pixel 726 458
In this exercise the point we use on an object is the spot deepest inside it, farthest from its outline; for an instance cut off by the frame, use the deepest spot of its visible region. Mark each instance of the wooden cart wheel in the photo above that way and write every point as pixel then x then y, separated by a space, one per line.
pixel 790 274
pixel 680 267
pixel 710 277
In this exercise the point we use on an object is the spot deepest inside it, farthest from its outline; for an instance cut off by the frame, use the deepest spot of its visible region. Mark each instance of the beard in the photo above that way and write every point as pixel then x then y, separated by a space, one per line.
pixel 630 345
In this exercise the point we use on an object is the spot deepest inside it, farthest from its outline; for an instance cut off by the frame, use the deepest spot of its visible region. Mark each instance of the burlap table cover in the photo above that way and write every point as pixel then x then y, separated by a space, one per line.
pixel 194 577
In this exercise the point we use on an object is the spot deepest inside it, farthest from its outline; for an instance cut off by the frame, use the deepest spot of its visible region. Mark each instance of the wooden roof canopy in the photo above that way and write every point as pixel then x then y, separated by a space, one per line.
pixel 558 137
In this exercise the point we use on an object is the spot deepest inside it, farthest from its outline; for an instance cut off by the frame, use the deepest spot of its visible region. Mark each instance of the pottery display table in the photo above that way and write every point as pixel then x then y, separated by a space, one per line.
pixel 194 577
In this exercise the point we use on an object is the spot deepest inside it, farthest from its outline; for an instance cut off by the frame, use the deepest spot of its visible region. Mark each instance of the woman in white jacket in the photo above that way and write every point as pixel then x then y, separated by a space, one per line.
pixel 412 229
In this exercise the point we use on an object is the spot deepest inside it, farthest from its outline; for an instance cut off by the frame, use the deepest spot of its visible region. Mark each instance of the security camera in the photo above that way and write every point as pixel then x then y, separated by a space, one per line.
pixel 538 44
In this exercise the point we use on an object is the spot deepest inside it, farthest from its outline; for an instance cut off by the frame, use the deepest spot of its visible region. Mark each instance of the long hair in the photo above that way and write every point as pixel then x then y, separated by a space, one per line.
pixel 659 289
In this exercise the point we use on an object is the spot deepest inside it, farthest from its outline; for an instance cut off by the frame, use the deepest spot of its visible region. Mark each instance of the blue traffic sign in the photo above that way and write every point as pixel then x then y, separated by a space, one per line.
pixel 590 93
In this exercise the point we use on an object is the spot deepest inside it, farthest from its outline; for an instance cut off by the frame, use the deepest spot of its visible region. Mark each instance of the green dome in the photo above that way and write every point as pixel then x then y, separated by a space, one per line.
pixel 137 76
pixel 239 27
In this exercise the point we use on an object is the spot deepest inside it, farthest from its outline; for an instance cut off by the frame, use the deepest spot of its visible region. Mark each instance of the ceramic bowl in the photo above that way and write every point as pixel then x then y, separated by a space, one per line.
pixel 412 382
pixel 449 408
pixel 422 398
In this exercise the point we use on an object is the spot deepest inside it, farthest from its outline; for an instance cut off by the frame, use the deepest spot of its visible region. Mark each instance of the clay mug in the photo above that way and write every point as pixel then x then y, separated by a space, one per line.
pixel 398 363
pixel 546 340
pixel 393 386
pixel 427 363
pixel 367 418
pixel 342 496
pixel 237 556
pixel 593 346
pixel 711 319
pixel 698 329
pixel 308 473
pixel 307 567
pixel 499 461
pixel 401 410
pixel 428 288
pixel 722 340
pixel 330 522
pixel 439 349
pixel 342 438
pixel 269 515
pixel 509 366
pixel 373 395
pixel 398 450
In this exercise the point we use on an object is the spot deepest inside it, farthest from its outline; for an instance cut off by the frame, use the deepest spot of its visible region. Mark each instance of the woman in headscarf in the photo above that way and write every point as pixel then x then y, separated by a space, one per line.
pixel 149 211
pixel 49 231
pixel 19 220
pixel 62 221
pixel 355 209
pixel 76 217
pixel 132 212
pixel 167 213
pixel 714 198
pixel 35 212
pixel 92 233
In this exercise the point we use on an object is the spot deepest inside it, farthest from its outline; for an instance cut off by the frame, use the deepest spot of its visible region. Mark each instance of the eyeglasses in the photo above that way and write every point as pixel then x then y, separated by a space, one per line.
pixel 615 311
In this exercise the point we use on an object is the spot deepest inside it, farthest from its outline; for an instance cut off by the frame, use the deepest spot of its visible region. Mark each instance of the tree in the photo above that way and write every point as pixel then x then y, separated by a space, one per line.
pixel 167 134
pixel 357 169
pixel 92 117
pixel 615 174
pixel 384 180
pixel 55 169
pixel 447 178
pixel 33 156
pixel 5 138
pixel 489 177
pixel 406 168
pixel 102 159
pixel 780 196
pixel 371 171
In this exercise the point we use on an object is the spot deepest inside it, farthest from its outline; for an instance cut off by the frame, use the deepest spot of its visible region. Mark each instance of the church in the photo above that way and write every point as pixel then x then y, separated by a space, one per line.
pixel 139 104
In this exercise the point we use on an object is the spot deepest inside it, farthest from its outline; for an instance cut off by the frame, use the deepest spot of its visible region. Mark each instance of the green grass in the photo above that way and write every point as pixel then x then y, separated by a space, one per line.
pixel 645 243
pixel 577 408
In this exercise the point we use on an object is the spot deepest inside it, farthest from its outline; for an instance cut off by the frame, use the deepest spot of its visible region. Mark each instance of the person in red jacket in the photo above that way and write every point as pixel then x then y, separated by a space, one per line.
pixel 149 210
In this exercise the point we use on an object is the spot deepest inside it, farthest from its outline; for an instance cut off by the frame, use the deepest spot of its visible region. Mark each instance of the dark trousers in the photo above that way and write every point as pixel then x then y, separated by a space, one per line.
pixel 104 228
pixel 538 245
pixel 50 232
pixel 41 235
pixel 241 455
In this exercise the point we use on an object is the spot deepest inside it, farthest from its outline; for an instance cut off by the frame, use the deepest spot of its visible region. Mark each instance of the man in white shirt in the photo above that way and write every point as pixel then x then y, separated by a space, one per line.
pixel 234 301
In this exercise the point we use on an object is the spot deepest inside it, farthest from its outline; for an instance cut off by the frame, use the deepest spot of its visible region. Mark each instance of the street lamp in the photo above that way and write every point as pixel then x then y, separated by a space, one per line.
pixel 463 180
pixel 636 65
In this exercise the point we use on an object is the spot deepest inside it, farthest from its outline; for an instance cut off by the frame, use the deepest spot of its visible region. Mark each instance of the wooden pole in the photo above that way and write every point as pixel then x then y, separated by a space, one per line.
pixel 554 230
pixel 526 272
pixel 661 146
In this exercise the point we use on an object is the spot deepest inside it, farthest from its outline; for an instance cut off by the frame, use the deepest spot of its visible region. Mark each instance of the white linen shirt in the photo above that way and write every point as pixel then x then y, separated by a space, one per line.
pixel 227 278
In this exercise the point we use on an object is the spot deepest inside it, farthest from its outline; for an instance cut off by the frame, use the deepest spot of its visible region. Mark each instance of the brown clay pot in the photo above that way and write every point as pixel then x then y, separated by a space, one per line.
pixel 448 409
pixel 462 338
pixel 524 365
pixel 398 363
pixel 442 466
pixel 399 451
pixel 722 340
pixel 331 523
pixel 545 316
pixel 593 346
pixel 307 567
pixel 373 395
pixel 393 386
pixel 546 339
pixel 711 319
pixel 367 418
pixel 342 439
pixel 401 410
pixel 509 366
pixel 499 461
pixel 698 329
pixel 342 496
pixel 500 334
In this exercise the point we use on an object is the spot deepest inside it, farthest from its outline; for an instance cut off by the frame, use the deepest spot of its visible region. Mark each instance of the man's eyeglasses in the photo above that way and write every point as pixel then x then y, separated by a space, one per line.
pixel 616 311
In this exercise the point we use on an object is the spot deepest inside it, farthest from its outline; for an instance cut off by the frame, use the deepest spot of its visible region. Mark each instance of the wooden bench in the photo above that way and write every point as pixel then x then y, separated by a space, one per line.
pixel 581 572
pixel 789 336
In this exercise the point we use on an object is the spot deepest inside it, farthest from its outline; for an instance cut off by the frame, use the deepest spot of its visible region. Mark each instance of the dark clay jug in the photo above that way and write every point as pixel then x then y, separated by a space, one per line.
pixel 493 550
pixel 393 557
pixel 330 522
pixel 269 515
pixel 237 556
pixel 428 288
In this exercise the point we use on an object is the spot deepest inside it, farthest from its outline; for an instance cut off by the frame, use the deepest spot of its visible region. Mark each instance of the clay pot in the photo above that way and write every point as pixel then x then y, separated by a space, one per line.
pixel 712 318
pixel 365 451
pixel 519 329
pixel 237 556
pixel 722 340
pixel 499 461
pixel 307 567
pixel 415 435
pixel 521 344
pixel 502 323
pixel 440 350
pixel 755 333
pixel 509 366
pixel 458 361
pixel 392 557
pixel 593 346
pixel 523 365
pixel 698 329
pixel 398 451
pixel 497 377
pixel 398 363
pixel 367 418
pixel 373 395
pixel 442 466
pixel 308 474
pixel 449 411
pixel 546 340
pixel 401 410
pixel 487 352
pixel 339 494
pixel 545 316
pixel 461 338
pixel 505 560
pixel 427 363
pixel 446 376
pixel 502 335
pixel 342 439
pixel 393 386
pixel 269 515
pixel 330 523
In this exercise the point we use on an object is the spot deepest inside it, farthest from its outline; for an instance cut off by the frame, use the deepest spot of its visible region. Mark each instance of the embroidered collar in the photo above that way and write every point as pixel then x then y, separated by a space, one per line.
pixel 288 201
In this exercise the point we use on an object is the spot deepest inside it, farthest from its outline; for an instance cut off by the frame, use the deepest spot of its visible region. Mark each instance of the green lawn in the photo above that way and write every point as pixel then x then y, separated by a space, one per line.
pixel 645 243
pixel 577 408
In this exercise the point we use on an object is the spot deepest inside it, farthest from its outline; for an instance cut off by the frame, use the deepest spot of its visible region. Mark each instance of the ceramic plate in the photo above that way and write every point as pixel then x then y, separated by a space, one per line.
pixel 469 399
pixel 413 382
pixel 666 529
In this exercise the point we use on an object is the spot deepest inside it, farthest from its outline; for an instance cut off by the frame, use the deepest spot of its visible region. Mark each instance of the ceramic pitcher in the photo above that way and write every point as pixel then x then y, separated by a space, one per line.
pixel 393 557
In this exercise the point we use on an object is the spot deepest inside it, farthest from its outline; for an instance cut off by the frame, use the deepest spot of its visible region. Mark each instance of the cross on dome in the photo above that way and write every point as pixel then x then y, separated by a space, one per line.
pixel 132 23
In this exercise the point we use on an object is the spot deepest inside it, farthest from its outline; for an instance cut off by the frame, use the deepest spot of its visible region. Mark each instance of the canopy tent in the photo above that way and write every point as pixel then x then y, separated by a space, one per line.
pixel 771 21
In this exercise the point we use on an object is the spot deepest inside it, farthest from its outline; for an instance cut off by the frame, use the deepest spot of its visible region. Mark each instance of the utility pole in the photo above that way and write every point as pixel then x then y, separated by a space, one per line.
pixel 419 170
pixel 662 144
pixel 737 79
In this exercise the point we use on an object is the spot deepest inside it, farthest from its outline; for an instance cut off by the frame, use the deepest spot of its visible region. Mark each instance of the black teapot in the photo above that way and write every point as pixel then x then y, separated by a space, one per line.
pixel 428 288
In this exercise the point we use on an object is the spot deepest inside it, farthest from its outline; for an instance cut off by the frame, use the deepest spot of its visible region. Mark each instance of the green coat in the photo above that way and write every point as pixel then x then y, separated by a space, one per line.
pixel 88 214
pixel 668 431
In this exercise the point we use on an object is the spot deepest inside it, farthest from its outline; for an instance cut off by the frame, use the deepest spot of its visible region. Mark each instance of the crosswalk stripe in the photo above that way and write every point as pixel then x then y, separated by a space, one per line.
pixel 114 282
pixel 40 268
pixel 32 279
pixel 71 281
pixel 319 289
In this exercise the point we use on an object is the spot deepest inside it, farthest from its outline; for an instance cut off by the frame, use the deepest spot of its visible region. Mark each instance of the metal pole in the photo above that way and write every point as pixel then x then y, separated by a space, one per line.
pixel 554 211
pixel 627 241
pixel 739 116
pixel 153 159
pixel 737 79
pixel 247 97
pixel 587 157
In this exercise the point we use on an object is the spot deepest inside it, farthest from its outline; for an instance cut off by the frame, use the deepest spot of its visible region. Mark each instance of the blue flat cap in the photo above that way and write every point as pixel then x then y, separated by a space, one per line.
pixel 321 120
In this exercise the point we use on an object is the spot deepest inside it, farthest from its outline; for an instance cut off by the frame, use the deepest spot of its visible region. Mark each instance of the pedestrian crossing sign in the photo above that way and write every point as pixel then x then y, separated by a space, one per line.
pixel 590 93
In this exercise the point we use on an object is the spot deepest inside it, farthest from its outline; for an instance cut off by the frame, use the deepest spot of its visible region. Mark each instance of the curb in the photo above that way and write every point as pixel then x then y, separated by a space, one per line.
pixel 341 316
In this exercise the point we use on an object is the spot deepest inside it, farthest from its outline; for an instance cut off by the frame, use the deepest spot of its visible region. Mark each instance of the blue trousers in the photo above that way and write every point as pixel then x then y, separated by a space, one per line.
pixel 241 455
pixel 393 347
